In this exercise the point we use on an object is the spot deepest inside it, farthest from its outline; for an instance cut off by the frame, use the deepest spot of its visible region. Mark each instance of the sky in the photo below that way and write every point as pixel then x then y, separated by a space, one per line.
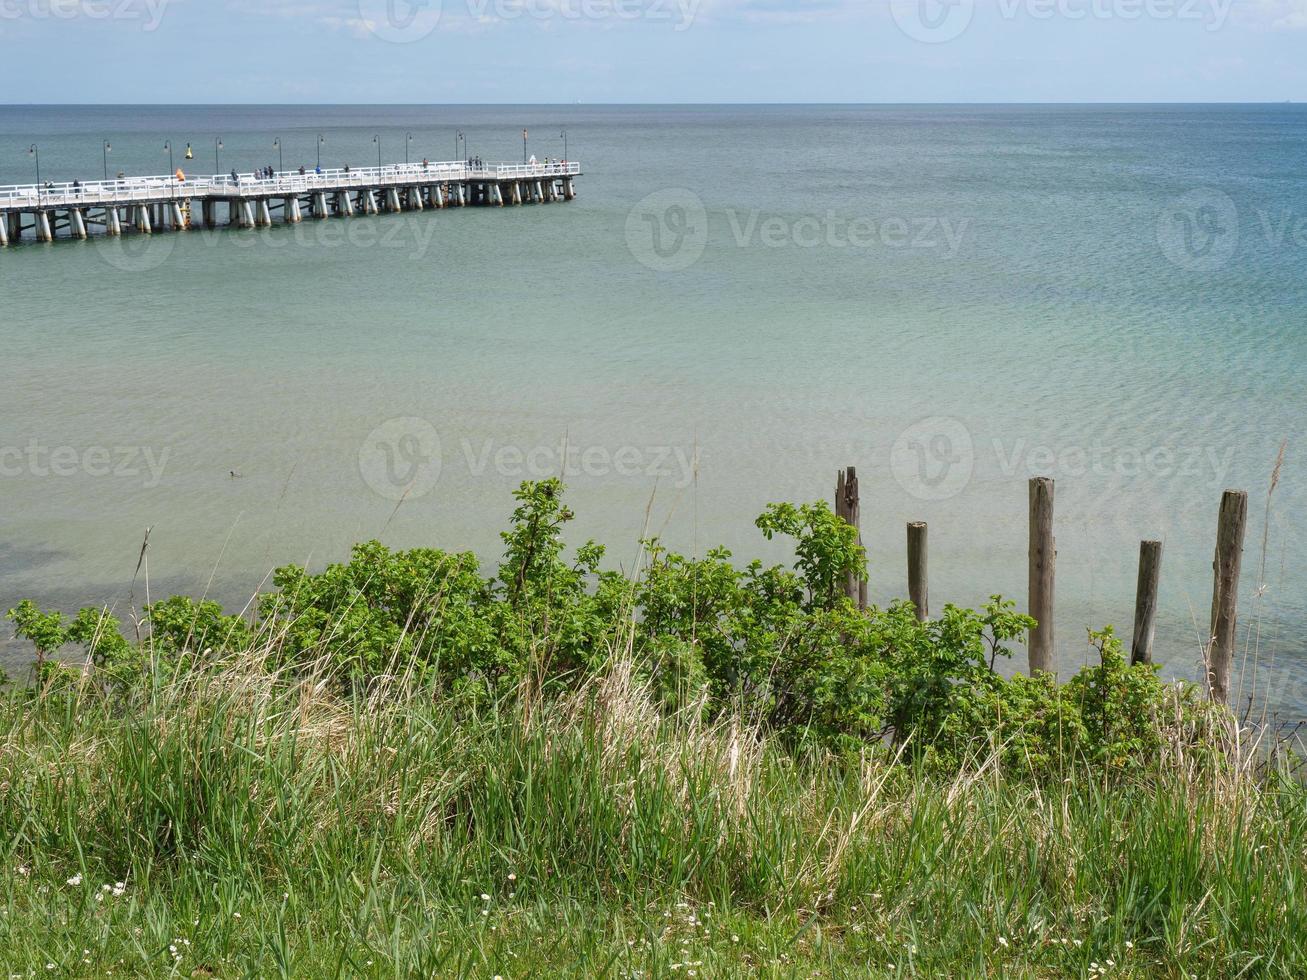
pixel 652 51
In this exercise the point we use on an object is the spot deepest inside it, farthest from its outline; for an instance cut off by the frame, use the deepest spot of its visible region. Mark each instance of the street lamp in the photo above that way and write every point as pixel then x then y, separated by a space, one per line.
pixel 460 136
pixel 105 154
pixel 524 146
pixel 217 145
pixel 281 159
pixel 407 143
pixel 321 140
pixel 377 140
pixel 167 145
pixel 563 137
pixel 35 151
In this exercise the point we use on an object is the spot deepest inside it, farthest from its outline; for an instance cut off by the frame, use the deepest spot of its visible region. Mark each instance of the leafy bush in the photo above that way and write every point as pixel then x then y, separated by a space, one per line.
pixel 782 646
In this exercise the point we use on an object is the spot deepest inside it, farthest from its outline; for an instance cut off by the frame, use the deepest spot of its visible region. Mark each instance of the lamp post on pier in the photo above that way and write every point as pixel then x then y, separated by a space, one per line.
pixel 460 136
pixel 167 145
pixel 321 140
pixel 281 157
pixel 408 141
pixel 377 139
pixel 35 151
pixel 105 154
pixel 524 146
pixel 217 166
pixel 563 137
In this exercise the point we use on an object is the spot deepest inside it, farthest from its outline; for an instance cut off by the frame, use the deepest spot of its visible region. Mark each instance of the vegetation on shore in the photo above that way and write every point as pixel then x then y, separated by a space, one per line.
pixel 403 767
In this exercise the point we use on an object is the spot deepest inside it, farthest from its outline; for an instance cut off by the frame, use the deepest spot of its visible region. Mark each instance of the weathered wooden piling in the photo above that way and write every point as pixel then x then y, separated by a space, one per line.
pixel 1043 563
pixel 849 507
pixel 918 587
pixel 1230 527
pixel 1150 570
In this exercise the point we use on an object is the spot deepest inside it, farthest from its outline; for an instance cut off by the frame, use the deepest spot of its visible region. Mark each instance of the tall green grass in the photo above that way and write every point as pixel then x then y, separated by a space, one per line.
pixel 233 822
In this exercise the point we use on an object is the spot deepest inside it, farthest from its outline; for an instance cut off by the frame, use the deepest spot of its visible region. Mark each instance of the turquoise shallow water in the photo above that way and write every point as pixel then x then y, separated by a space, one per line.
pixel 950 298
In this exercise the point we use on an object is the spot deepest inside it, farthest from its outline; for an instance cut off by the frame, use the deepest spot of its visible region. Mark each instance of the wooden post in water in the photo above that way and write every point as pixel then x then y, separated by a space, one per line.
pixel 1150 569
pixel 918 589
pixel 1225 591
pixel 848 506
pixel 1043 563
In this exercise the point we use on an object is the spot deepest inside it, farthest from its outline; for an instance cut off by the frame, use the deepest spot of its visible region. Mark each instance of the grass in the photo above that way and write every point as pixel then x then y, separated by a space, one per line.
pixel 236 823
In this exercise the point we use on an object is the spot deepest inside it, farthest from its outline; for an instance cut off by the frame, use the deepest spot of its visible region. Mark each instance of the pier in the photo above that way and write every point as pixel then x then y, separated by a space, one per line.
pixel 145 205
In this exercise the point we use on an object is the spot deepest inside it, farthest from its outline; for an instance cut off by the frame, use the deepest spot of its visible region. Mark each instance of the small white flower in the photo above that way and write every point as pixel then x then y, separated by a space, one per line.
pixel 485 897
pixel 1002 942
pixel 75 880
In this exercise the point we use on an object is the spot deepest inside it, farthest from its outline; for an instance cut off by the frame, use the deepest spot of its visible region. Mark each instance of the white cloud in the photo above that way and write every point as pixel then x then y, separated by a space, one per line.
pixel 1278 15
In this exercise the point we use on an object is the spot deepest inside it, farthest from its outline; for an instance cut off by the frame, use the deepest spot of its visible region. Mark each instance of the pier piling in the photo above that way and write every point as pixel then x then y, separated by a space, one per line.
pixel 1150 570
pixel 849 507
pixel 918 585
pixel 1043 562
pixel 1230 528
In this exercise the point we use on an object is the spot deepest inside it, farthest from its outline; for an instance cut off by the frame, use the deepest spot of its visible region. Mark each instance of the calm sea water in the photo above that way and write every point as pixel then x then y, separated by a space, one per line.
pixel 950 298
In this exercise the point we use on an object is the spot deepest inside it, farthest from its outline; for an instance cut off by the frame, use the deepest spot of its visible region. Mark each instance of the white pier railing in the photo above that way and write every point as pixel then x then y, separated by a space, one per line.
pixel 136 189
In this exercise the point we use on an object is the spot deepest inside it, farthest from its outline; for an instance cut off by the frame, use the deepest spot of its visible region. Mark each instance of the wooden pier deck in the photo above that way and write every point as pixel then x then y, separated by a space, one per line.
pixel 50 211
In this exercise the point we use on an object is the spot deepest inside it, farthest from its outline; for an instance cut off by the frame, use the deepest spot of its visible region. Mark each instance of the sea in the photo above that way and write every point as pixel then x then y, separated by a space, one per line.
pixel 740 301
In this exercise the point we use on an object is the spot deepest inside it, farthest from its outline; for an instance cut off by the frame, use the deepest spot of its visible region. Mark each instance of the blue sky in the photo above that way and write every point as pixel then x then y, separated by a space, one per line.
pixel 461 51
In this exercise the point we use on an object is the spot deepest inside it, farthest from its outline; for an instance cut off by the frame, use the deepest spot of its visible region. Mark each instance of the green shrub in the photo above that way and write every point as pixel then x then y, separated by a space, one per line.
pixel 784 647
